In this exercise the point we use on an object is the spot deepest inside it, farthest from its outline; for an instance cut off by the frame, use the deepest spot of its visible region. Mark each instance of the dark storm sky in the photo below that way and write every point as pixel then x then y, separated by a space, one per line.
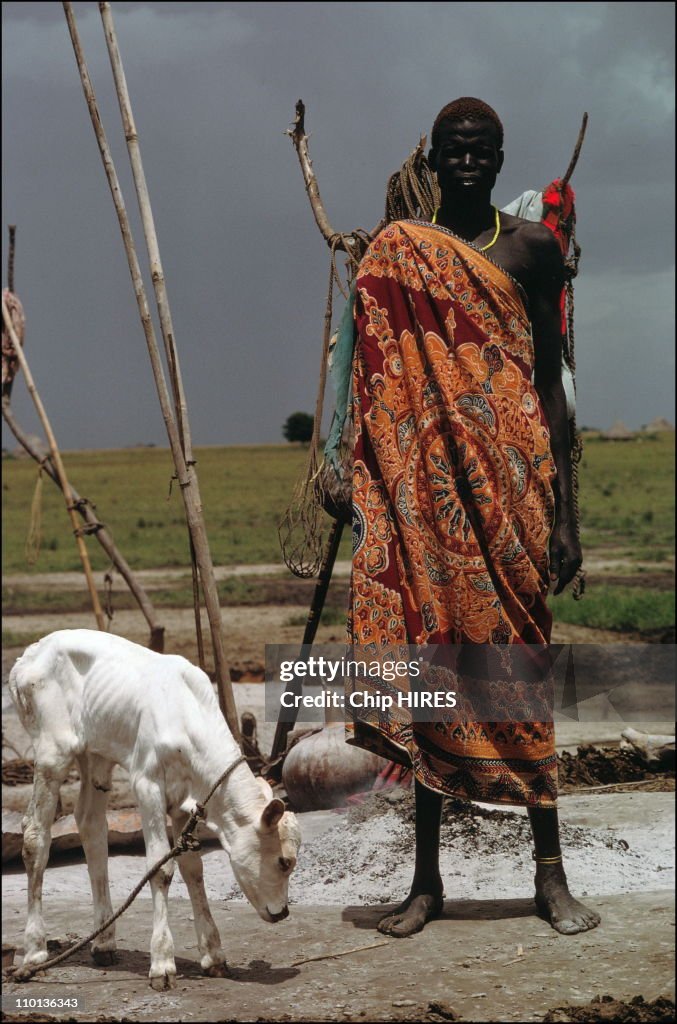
pixel 213 87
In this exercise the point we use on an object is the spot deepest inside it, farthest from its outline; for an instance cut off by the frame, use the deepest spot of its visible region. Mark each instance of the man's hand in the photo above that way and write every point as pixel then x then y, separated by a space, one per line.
pixel 566 556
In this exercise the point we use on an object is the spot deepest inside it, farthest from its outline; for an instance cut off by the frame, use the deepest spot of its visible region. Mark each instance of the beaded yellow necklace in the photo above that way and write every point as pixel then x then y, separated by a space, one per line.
pixel 497 232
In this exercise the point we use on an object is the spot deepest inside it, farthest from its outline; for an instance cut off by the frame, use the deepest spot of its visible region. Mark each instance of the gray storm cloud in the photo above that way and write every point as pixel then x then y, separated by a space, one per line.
pixel 213 88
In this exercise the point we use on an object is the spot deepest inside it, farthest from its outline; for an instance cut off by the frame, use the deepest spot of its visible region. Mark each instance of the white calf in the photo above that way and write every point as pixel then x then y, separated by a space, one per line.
pixel 100 700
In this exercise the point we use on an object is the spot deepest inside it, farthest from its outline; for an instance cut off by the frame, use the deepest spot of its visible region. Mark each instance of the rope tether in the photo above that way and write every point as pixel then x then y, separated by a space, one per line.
pixel 185 843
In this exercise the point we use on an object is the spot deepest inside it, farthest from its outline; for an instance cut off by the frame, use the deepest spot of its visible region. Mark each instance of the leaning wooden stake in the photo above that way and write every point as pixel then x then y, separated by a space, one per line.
pixel 85 509
pixel 157 277
pixel 185 468
pixel 58 466
pixel 283 728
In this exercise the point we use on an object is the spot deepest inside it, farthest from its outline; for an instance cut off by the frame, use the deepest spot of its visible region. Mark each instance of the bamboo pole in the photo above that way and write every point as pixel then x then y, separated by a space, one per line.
pixel 85 510
pixel 58 466
pixel 157 277
pixel 147 220
pixel 132 258
pixel 185 470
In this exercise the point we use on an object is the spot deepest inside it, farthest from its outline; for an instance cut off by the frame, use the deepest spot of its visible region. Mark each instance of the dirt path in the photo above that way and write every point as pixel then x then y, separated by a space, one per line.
pixel 154 578
pixel 246 629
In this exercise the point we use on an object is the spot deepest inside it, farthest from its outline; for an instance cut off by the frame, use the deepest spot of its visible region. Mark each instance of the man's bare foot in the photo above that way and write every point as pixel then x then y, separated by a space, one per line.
pixel 412 915
pixel 556 904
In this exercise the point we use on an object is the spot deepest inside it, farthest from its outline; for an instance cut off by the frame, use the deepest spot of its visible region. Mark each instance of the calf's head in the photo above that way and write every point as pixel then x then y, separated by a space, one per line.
pixel 263 856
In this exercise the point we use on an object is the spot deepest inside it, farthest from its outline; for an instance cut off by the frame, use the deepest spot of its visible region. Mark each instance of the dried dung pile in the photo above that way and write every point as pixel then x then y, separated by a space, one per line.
pixel 435 1010
pixel 466 828
pixel 603 766
pixel 606 1008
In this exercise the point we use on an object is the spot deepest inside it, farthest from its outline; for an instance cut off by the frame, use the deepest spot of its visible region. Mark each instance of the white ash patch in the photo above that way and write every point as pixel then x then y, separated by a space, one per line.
pixel 483 853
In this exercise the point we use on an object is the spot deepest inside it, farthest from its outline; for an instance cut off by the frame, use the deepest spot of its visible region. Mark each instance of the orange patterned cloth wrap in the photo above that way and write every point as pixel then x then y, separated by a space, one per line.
pixel 452 497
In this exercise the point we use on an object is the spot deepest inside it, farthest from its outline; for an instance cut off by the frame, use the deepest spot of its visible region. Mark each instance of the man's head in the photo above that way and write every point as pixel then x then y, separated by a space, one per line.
pixel 466 108
pixel 467 140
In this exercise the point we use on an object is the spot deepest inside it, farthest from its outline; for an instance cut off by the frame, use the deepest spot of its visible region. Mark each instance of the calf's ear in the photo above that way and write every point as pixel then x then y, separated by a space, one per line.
pixel 272 813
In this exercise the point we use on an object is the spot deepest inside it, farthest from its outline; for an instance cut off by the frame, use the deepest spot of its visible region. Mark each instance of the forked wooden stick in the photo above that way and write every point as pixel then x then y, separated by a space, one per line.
pixel 347 242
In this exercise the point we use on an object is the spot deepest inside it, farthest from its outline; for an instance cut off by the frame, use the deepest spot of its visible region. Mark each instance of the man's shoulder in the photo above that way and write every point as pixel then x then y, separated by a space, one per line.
pixel 533 232
pixel 536 240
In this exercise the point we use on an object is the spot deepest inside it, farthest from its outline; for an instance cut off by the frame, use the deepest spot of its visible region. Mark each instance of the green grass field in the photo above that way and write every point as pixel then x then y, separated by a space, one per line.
pixel 627 516
pixel 627 497
pixel 245 492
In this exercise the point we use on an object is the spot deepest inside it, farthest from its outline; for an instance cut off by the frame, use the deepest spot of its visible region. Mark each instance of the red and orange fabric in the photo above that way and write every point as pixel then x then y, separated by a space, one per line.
pixel 452 498
pixel 559 214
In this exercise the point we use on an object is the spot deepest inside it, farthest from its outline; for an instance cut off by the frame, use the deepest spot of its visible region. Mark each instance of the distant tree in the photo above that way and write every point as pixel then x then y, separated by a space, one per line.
pixel 298 427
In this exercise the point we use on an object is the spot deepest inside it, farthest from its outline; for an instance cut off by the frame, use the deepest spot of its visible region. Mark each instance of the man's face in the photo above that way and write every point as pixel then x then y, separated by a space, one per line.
pixel 467 157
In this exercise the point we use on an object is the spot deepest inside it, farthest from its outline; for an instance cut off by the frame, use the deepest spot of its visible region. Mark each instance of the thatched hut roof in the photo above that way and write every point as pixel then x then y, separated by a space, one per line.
pixel 657 426
pixel 619 432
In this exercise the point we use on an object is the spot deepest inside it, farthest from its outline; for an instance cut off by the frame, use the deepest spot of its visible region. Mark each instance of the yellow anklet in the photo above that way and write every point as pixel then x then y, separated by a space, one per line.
pixel 547 860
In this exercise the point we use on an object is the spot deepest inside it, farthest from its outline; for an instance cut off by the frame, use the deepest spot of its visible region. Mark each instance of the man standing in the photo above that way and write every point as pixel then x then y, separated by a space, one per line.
pixel 462 495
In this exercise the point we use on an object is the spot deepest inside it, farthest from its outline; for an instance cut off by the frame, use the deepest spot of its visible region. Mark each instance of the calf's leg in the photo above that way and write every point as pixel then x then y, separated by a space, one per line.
pixel 37 823
pixel 213 960
pixel 90 815
pixel 152 804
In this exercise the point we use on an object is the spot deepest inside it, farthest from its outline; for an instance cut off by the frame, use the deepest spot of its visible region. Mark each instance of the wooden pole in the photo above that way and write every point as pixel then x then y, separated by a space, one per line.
pixel 349 243
pixel 58 466
pixel 283 729
pixel 157 277
pixel 10 257
pixel 185 470
pixel 576 153
pixel 147 220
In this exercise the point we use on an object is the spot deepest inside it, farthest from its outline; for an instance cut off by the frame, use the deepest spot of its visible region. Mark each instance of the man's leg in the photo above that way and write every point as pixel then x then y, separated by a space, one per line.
pixel 553 899
pixel 426 897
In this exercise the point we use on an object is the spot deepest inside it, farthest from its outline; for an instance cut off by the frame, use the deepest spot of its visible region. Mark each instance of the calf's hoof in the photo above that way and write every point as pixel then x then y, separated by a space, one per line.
pixel 38 956
pixel 103 957
pixel 216 970
pixel 163 982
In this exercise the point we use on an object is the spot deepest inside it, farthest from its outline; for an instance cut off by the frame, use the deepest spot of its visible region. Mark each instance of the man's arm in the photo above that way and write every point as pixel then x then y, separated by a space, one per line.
pixel 544 297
